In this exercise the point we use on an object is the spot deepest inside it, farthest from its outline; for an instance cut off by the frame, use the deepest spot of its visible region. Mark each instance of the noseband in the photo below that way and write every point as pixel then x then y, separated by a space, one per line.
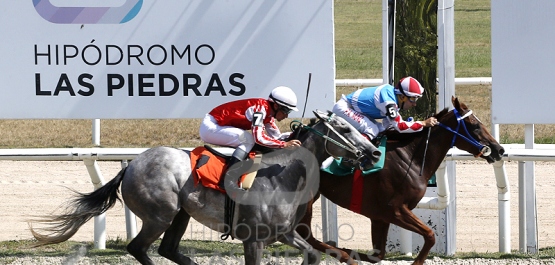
pixel 484 149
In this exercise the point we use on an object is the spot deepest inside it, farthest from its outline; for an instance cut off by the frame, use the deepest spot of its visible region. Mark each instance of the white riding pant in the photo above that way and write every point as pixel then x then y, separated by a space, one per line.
pixel 211 132
pixel 361 122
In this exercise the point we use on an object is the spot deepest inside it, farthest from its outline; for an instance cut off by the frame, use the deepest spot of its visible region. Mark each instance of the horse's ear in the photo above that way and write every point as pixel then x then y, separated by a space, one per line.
pixel 455 102
pixel 320 115
pixel 458 105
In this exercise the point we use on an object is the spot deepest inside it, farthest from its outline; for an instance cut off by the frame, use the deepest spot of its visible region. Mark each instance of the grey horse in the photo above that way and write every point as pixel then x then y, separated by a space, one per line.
pixel 159 188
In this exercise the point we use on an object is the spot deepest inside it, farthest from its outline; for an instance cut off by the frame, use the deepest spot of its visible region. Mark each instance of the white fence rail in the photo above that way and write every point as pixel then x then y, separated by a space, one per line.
pixel 377 82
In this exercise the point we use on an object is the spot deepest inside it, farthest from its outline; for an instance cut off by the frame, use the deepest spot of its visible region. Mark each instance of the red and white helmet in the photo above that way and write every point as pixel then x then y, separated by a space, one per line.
pixel 284 97
pixel 409 87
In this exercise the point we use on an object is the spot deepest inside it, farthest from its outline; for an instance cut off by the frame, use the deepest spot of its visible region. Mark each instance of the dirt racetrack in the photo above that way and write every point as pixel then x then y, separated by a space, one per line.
pixel 38 188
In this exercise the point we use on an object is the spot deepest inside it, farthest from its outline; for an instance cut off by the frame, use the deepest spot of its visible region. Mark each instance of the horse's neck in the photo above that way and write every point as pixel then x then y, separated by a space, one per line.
pixel 427 152
pixel 316 146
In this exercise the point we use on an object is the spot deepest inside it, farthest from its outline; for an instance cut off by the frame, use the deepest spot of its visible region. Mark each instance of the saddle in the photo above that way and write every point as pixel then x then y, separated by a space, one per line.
pixel 209 168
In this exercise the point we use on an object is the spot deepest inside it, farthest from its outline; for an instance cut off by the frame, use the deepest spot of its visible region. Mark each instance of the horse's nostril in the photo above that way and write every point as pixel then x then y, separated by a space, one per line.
pixel 501 151
pixel 377 153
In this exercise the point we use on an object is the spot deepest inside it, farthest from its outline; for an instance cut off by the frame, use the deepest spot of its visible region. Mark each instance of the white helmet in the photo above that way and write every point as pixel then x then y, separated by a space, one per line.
pixel 409 87
pixel 284 97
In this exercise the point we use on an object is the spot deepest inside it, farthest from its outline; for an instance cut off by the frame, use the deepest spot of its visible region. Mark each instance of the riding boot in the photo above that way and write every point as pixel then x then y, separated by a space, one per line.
pixel 229 206
pixel 373 140
pixel 230 162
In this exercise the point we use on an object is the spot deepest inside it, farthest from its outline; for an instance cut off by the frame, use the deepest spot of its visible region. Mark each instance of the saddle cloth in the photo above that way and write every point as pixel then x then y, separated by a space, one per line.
pixel 208 168
pixel 338 169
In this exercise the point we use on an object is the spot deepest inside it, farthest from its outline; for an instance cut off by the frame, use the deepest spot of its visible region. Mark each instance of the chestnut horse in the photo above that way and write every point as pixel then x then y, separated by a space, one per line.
pixel 390 194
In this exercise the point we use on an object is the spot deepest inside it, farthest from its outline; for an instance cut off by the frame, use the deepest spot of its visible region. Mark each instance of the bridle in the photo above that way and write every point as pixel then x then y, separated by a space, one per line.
pixel 349 146
pixel 484 149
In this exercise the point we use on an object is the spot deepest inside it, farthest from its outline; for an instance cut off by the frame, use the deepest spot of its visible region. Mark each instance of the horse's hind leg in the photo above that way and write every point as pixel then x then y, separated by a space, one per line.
pixel 253 252
pixel 169 247
pixel 138 247
pixel 150 231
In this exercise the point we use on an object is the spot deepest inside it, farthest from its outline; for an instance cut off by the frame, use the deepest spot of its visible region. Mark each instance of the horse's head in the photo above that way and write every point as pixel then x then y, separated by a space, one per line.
pixel 469 133
pixel 344 140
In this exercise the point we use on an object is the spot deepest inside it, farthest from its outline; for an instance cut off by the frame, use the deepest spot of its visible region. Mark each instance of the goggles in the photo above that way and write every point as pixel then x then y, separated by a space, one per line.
pixel 413 99
pixel 285 110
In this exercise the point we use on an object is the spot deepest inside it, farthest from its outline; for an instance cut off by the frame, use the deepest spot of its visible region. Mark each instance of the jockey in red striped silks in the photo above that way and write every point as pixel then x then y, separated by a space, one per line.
pixel 228 124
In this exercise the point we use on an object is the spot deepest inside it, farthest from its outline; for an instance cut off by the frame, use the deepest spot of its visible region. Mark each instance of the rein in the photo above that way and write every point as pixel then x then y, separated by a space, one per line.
pixel 425 151
pixel 484 150
pixel 349 147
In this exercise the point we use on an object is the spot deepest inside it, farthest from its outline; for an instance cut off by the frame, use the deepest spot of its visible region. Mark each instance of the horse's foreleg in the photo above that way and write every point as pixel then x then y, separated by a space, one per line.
pixel 253 252
pixel 170 242
pixel 303 229
pixel 380 230
pixel 407 220
pixel 379 240
pixel 295 240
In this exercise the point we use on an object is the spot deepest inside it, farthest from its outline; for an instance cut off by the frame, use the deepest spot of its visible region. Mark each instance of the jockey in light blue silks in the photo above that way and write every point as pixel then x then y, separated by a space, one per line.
pixel 362 107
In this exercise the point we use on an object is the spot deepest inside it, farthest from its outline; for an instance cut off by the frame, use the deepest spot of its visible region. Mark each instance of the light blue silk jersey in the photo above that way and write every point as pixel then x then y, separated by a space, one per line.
pixel 371 101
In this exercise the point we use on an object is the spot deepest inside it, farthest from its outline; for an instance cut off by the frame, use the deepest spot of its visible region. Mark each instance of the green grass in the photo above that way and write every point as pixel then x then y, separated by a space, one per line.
pixel 358 39
pixel 116 249
pixel 472 38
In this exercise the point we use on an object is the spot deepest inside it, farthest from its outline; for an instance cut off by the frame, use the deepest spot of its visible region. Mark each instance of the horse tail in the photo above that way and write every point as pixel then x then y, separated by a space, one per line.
pixel 77 212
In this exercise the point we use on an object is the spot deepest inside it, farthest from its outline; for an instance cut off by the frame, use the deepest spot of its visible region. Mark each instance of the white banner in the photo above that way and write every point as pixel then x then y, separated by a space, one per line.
pixel 160 59
pixel 522 60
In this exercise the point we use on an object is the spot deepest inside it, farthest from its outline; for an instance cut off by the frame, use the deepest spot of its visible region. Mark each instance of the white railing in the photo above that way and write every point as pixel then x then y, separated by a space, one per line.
pixel 377 82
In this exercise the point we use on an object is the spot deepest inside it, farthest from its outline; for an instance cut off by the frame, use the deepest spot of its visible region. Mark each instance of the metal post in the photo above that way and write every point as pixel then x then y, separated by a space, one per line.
pixel 521 208
pixel 388 40
pixel 531 215
pixel 504 206
pixel 446 52
pixel 100 220
pixel 96 132
pixel 405 236
pixel 329 221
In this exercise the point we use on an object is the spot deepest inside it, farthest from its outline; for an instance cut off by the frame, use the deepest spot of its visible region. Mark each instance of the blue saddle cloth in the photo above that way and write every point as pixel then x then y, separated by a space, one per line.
pixel 336 168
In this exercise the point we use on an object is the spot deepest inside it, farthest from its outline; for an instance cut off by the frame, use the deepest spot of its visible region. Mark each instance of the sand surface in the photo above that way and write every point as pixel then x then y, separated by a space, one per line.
pixel 38 188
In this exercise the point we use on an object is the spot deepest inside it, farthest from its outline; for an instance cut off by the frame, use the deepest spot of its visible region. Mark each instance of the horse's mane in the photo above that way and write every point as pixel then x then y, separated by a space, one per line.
pixel 300 130
pixel 297 132
pixel 312 122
